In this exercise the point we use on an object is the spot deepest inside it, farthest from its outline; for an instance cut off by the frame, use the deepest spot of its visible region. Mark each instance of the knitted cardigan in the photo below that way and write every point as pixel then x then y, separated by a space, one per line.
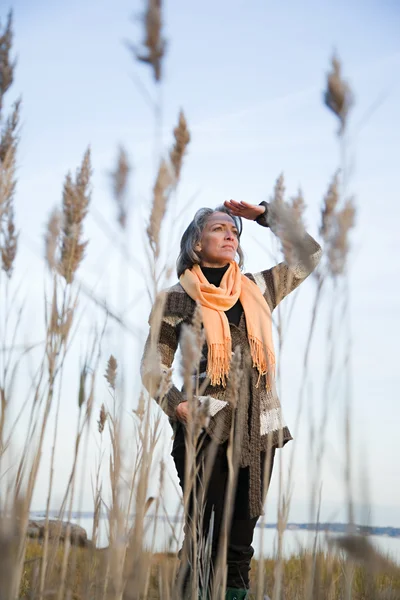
pixel 258 414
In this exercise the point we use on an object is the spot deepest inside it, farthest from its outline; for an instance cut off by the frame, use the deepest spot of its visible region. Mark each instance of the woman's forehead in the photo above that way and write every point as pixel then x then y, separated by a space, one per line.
pixel 220 217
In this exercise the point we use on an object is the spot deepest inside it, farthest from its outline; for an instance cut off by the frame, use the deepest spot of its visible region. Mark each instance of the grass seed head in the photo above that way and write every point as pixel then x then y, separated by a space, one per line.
pixel 165 384
pixel 285 222
pixel 154 42
pixel 9 243
pixel 111 371
pixel 298 205
pixel 338 95
pixel 182 139
pixel 7 66
pixel 52 239
pixel 102 419
pixel 8 151
pixel 9 134
pixel 197 323
pixel 331 201
pixel 191 353
pixel 159 207
pixel 119 179
pixel 235 376
pixel 339 248
pixel 76 198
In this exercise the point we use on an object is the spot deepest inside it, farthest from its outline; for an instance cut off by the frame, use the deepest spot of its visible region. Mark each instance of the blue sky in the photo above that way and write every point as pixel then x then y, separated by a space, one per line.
pixel 249 76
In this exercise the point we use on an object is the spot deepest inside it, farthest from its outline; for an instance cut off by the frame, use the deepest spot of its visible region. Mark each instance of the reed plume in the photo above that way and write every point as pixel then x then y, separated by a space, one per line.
pixel 52 238
pixel 191 353
pixel 235 377
pixel 339 247
pixel 335 225
pixel 8 150
pixel 102 419
pixel 285 221
pixel 9 243
pixel 154 42
pixel 9 134
pixel 360 549
pixel 7 65
pixel 338 95
pixel 111 372
pixel 182 139
pixel 76 198
pixel 119 179
pixel 298 205
pixel 330 203
pixel 159 207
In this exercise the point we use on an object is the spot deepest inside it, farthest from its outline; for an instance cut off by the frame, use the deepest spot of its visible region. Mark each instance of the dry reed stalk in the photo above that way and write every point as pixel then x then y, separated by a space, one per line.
pixel 137 562
pixel 119 180
pixel 334 231
pixel 233 453
pixel 191 344
pixel 154 42
pixel 128 565
pixel 191 354
pixel 11 538
pixel 84 400
pixel 286 223
pixel 44 561
pixel 360 549
pixel 115 553
pixel 267 474
pixel 156 515
pixel 58 328
pixel 76 198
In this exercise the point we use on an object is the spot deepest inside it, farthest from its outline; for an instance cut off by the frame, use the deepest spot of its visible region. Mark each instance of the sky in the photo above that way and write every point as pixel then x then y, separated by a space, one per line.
pixel 249 77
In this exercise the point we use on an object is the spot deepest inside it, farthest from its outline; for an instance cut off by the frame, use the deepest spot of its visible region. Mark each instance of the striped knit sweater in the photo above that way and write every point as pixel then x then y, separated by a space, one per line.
pixel 258 413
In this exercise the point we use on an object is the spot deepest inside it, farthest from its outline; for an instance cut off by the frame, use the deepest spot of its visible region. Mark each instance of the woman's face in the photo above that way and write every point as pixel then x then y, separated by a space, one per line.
pixel 219 241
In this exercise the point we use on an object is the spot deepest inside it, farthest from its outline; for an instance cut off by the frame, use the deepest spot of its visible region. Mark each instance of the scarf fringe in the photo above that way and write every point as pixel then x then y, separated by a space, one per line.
pixel 218 363
pixel 263 360
pixel 219 359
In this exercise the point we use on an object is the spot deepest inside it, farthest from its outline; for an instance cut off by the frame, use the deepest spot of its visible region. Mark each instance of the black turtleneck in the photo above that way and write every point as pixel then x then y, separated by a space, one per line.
pixel 214 275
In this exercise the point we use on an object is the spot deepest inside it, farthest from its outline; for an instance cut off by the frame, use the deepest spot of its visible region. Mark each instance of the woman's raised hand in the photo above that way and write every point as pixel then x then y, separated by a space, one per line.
pixel 244 209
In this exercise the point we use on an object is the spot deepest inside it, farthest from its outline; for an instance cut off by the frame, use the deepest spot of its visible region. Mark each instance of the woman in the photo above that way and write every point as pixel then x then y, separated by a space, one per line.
pixel 236 311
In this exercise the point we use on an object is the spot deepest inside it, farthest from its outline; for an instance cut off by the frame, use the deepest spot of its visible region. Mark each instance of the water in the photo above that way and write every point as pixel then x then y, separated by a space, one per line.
pixel 168 537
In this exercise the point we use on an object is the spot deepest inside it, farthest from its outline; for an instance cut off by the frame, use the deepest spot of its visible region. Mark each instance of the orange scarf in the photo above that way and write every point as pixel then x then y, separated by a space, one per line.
pixel 214 302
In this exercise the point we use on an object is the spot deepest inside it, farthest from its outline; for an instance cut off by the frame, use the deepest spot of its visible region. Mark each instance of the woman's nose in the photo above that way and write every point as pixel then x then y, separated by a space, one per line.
pixel 229 235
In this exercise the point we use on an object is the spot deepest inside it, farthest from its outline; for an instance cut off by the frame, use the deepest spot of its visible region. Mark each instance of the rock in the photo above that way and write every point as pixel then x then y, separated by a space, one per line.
pixel 58 530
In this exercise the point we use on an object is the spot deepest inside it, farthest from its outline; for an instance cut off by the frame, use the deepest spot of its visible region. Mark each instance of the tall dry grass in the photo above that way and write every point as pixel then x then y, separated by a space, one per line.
pixel 127 568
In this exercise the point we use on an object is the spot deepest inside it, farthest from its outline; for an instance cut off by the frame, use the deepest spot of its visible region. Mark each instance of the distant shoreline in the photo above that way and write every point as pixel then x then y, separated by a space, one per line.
pixel 392 532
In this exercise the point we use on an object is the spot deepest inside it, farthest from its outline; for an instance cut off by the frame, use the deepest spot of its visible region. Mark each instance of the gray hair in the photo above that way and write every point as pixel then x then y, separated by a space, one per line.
pixel 192 235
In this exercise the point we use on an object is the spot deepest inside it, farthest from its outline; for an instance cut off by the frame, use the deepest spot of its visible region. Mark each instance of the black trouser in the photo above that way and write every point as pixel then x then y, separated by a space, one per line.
pixel 239 548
